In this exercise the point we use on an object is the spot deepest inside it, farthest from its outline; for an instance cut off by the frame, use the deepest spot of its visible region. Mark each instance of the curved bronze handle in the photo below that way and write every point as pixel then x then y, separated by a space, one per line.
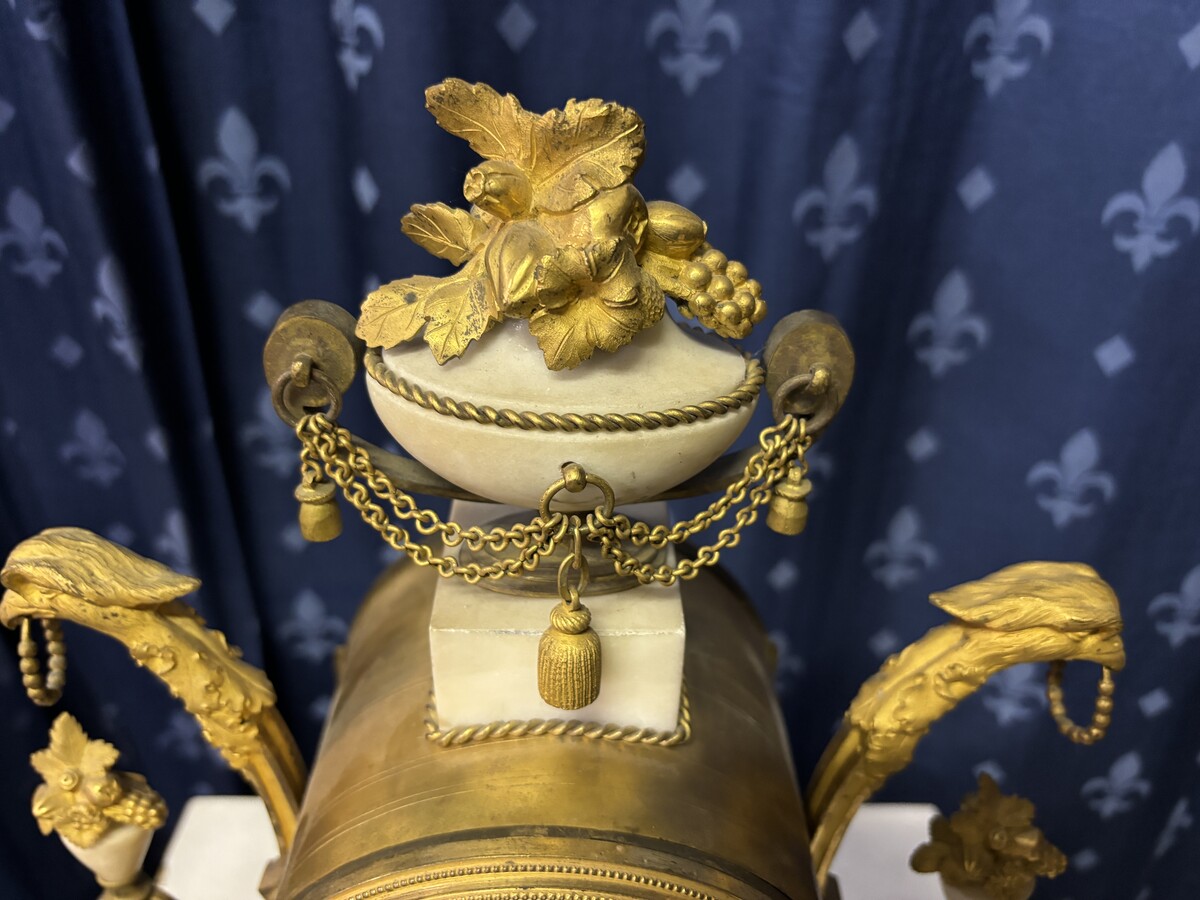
pixel 73 574
pixel 1030 612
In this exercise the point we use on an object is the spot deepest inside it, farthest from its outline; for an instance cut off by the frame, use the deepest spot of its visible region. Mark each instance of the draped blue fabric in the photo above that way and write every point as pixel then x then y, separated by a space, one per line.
pixel 999 200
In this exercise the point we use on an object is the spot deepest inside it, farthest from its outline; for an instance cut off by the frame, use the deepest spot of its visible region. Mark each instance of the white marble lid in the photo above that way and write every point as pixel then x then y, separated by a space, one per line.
pixel 662 367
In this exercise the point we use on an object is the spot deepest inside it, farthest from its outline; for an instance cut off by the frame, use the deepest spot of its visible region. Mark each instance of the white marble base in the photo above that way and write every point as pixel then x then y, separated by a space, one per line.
pixel 484 646
pixel 219 850
pixel 872 862
pixel 222 844
pixel 115 859
pixel 953 893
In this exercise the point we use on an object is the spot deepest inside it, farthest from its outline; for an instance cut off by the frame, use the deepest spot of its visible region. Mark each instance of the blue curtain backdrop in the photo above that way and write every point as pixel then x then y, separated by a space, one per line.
pixel 998 199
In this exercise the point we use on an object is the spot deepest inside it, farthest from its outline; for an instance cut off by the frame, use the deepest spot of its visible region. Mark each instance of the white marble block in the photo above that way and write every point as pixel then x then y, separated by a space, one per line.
pixel 484 646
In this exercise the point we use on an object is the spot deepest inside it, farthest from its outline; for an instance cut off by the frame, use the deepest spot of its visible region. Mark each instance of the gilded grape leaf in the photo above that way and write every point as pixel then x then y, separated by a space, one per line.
pixel 586 147
pixel 495 126
pixel 452 234
pixel 570 154
pixel 575 277
pixel 70 749
pixel 667 272
pixel 459 311
pixel 569 335
pixel 394 312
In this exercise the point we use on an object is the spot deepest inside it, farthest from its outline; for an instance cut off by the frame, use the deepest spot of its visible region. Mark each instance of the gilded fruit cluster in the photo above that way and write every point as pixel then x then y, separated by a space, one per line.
pixel 557 235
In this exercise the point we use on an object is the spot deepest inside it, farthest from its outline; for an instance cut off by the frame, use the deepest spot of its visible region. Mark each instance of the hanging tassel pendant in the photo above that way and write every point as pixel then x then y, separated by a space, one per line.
pixel 788 512
pixel 569 659
pixel 320 518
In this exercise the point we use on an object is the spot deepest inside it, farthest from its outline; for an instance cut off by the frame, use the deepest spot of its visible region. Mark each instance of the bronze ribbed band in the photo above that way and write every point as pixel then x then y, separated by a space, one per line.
pixel 740 396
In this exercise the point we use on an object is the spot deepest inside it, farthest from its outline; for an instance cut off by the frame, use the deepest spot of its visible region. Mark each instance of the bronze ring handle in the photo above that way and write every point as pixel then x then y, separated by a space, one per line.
pixel 574 480
pixel 813 383
pixel 280 391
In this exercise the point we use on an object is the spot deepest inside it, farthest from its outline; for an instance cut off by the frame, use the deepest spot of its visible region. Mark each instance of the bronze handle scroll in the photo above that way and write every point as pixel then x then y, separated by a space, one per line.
pixel 74 575
pixel 1029 612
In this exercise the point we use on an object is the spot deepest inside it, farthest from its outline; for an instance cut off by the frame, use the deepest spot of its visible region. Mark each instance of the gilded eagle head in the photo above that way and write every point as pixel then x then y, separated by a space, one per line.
pixel 1067 597
pixel 76 563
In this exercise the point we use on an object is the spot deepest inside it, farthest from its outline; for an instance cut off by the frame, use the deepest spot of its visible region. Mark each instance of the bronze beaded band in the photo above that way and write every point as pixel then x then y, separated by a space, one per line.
pixel 743 394
pixel 1101 716
pixel 43 691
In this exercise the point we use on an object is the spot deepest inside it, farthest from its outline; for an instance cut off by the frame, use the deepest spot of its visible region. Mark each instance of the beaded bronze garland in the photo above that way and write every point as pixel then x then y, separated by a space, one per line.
pixel 44 691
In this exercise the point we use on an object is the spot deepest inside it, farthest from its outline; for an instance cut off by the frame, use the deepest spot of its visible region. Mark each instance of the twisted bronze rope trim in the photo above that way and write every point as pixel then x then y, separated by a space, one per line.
pixel 743 394
pixel 626 734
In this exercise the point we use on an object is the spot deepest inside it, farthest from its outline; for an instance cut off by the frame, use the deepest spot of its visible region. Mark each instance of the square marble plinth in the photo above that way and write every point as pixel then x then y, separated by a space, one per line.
pixel 484 646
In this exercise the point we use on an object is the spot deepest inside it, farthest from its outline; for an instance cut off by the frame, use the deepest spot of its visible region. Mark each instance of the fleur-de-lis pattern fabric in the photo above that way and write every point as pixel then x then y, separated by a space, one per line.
pixel 843 204
pixel 1000 199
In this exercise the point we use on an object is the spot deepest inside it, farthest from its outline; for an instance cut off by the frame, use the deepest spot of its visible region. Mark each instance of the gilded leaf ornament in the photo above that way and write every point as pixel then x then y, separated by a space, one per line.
pixel 990 846
pixel 452 234
pixel 458 311
pixel 82 798
pixel 556 234
pixel 496 127
pixel 591 300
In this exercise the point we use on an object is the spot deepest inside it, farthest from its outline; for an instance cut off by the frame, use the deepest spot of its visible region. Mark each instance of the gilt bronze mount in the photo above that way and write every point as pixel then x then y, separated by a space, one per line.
pixel 545 373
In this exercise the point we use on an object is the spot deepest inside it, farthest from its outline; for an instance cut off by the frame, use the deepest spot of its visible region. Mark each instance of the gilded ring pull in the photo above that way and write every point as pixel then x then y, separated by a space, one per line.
pixel 1101 715
pixel 574 480
pixel 803 395
pixel 810 367
pixel 298 377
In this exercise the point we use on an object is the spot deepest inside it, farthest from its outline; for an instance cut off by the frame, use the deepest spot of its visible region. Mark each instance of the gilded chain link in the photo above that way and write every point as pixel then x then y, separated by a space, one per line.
pixel 780 446
pixel 330 451
pixel 333 450
pixel 574 563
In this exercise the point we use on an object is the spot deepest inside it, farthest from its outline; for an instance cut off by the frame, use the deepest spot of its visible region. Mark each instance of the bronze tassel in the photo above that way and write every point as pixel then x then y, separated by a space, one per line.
pixel 569 659
pixel 320 518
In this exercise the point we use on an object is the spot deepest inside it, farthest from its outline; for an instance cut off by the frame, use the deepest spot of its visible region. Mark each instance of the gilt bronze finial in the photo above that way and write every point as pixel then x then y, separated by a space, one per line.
pixel 557 235
pixel 82 798
pixel 990 848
